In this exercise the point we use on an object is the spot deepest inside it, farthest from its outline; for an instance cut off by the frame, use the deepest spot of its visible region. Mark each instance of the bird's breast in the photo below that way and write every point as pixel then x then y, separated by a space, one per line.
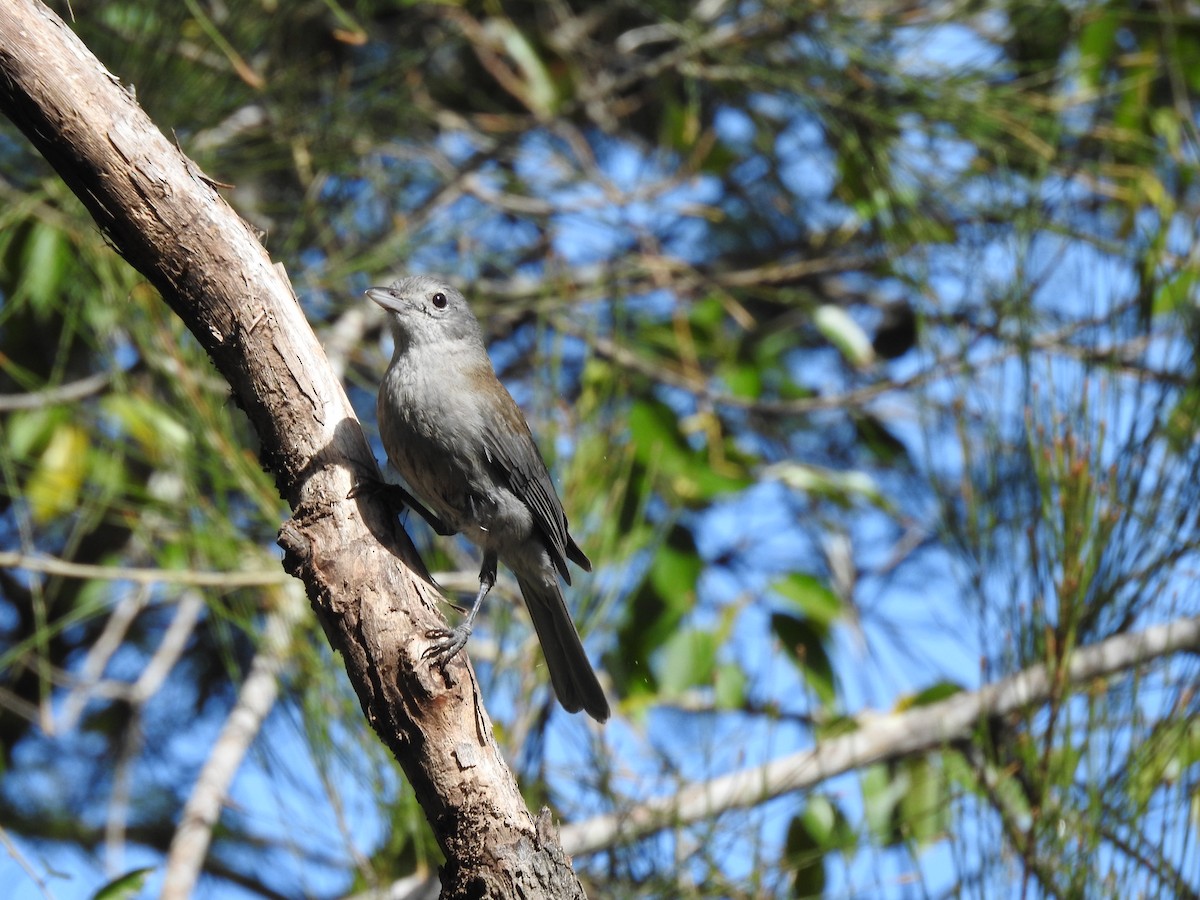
pixel 432 424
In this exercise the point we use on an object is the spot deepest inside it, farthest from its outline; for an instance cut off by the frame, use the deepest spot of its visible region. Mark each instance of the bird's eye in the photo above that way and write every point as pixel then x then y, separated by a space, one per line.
pixel 439 300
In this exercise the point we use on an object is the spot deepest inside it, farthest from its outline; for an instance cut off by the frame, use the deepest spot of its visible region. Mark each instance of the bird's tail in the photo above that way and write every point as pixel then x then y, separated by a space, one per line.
pixel 571 673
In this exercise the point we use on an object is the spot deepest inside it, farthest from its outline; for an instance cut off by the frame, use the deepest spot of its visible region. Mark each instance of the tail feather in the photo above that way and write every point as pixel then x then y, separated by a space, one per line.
pixel 571 673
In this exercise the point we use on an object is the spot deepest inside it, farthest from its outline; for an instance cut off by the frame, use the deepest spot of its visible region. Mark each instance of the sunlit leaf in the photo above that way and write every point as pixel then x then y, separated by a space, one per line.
pixel 687 661
pixel 124 886
pixel 811 596
pixel 160 434
pixel 881 794
pixel 46 258
pixel 53 487
pixel 730 686
pixel 743 380
pixel 1177 292
pixel 661 446
pixel 935 693
pixel 1097 42
pixel 26 429
pixel 924 808
pixel 540 92
pixel 837 485
pixel 845 334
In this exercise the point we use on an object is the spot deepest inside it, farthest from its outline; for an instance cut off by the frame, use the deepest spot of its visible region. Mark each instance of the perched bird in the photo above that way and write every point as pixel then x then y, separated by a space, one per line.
pixel 456 436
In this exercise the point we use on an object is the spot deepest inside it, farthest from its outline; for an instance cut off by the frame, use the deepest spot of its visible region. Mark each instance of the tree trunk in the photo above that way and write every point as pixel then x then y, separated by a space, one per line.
pixel 362 575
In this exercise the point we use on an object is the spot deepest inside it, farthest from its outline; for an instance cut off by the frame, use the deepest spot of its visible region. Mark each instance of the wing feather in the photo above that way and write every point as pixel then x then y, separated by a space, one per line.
pixel 516 463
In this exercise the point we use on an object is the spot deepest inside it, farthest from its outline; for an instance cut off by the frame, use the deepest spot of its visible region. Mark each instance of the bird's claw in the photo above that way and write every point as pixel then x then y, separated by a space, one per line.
pixel 368 486
pixel 364 487
pixel 447 642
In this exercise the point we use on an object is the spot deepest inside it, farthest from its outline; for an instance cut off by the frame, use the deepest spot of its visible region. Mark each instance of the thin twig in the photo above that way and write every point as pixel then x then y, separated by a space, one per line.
pixel 15 853
pixel 170 648
pixel 63 393
pixel 96 661
pixel 191 841
pixel 51 565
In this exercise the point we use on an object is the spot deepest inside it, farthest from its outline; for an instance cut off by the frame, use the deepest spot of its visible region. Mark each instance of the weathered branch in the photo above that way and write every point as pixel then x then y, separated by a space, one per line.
pixel 880 738
pixel 165 217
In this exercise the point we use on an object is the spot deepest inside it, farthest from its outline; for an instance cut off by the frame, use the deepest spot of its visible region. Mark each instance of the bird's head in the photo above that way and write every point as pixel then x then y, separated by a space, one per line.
pixel 425 311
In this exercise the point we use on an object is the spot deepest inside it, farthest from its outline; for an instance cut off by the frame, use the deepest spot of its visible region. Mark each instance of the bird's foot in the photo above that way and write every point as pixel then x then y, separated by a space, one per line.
pixel 447 642
pixel 399 499
pixel 367 486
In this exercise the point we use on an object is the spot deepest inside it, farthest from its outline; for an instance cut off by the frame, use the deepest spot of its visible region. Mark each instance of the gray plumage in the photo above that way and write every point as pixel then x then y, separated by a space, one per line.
pixel 454 433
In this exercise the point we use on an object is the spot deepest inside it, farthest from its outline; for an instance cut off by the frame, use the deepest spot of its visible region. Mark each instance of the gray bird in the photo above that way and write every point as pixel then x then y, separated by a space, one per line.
pixel 454 433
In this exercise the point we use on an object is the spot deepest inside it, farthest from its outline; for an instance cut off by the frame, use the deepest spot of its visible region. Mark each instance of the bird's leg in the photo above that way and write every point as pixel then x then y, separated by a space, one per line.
pixel 399 498
pixel 448 641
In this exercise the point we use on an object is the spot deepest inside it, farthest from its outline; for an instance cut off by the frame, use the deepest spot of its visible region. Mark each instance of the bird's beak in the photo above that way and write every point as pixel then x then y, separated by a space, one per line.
pixel 387 298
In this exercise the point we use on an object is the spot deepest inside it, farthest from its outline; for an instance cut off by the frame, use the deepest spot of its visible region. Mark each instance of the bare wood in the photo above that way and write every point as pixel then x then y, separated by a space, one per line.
pixel 362 576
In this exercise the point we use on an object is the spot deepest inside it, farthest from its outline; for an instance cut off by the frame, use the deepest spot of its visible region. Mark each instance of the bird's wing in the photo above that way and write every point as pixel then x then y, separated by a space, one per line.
pixel 515 462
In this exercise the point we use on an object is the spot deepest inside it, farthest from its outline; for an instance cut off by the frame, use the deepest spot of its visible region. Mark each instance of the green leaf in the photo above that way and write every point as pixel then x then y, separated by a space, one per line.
pixel 743 380
pixel 819 819
pixel 654 431
pixel 718 158
pixel 1183 421
pixel 935 693
pixel 654 611
pixel 1097 41
pixel 1177 292
pixel 822 828
pixel 45 258
pixel 1166 124
pixel 28 429
pixel 124 886
pixel 924 808
pixel 826 821
pixel 680 124
pixel 541 94
pixel 706 314
pixel 676 569
pixel 53 487
pixel 730 686
pixel 804 643
pixel 157 431
pixel 811 596
pixel 804 854
pixel 687 472
pixel 647 623
pixel 1171 750
pixel 839 486
pixel 687 661
pixel 882 793
pixel 844 333
pixel 878 438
